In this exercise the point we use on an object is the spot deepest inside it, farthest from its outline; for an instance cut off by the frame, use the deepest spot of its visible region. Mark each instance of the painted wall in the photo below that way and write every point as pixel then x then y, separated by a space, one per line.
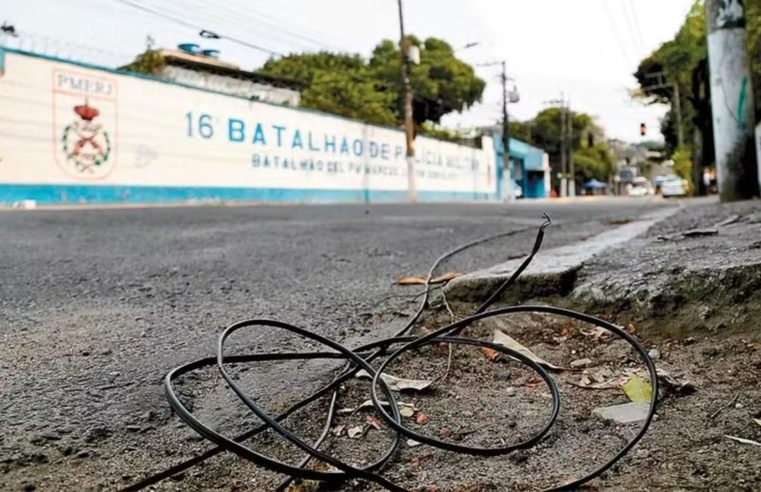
pixel 75 133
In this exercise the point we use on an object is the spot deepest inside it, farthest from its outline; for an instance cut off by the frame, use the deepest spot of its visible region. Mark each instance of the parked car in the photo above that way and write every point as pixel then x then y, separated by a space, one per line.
pixel 674 186
pixel 639 187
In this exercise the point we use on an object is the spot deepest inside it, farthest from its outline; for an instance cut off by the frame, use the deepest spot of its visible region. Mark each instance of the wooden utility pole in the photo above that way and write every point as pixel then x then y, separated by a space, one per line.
pixel 409 122
pixel 731 100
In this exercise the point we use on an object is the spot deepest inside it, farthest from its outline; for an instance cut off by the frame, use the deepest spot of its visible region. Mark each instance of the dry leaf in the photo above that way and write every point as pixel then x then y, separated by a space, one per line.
pixel 758 421
pixel 337 430
pixel 421 281
pixel 374 422
pixel 407 409
pixel 398 384
pixel 744 441
pixel 355 432
pixel 412 443
pixel 445 278
pixel 491 354
pixel 365 404
pixel 505 340
pixel 533 382
pixel 410 281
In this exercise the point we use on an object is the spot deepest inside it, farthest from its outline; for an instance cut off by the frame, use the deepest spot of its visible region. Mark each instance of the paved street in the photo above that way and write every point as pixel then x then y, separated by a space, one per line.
pixel 97 304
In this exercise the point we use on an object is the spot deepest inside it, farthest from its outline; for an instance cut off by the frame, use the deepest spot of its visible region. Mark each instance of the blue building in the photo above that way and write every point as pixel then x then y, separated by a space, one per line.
pixel 530 168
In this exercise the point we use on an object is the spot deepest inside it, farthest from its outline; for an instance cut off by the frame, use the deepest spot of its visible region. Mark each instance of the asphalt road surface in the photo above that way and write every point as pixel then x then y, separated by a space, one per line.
pixel 96 305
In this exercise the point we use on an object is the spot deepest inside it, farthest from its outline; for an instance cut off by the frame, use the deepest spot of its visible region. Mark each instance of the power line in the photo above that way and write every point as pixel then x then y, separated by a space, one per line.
pixel 294 30
pixel 630 27
pixel 185 23
pixel 616 32
pixel 637 25
pixel 245 20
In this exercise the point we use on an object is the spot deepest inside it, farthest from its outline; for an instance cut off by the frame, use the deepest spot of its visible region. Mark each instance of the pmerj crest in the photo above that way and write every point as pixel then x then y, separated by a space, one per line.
pixel 731 14
pixel 86 143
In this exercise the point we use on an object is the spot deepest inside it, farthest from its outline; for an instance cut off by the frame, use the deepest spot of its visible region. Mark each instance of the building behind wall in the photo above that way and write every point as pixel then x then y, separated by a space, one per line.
pixel 190 65
pixel 529 165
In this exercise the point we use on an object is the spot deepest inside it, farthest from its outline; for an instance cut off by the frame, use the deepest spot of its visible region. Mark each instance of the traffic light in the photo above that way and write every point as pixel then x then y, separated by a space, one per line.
pixel 642 129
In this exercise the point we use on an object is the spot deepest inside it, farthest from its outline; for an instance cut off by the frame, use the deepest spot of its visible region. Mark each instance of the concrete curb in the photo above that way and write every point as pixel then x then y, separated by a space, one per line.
pixel 553 272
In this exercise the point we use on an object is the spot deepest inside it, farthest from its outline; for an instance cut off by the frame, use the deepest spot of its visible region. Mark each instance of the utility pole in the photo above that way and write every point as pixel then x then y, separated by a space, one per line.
pixel 409 123
pixel 563 154
pixel 507 98
pixel 565 124
pixel 661 82
pixel 572 169
pixel 506 136
pixel 731 100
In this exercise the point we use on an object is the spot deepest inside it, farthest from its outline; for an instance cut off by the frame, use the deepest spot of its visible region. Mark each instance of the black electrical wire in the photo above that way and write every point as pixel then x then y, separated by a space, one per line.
pixel 360 358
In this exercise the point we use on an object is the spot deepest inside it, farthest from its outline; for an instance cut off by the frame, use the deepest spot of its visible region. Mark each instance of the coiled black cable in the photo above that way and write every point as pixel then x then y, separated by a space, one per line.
pixel 360 358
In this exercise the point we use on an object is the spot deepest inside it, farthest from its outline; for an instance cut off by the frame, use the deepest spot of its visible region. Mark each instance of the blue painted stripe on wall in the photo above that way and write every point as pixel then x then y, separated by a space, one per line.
pixel 74 194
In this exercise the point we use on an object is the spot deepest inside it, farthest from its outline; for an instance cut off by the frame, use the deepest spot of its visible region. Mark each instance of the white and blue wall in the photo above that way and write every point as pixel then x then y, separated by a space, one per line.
pixel 74 133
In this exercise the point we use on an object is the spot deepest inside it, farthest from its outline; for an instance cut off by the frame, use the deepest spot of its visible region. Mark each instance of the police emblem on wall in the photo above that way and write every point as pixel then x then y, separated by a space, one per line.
pixel 84 124
pixel 86 143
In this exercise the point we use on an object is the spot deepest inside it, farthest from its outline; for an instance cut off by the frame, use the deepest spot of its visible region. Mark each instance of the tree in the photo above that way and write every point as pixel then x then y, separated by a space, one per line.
pixel 684 61
pixel 441 83
pixel 150 62
pixel 681 61
pixel 337 83
pixel 591 153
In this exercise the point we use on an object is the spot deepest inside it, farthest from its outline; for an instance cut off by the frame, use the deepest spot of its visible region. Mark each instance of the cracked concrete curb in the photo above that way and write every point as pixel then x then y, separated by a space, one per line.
pixel 554 271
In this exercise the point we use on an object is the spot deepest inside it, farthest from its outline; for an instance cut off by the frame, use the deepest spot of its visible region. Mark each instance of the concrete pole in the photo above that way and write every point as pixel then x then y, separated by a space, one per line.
pixel 506 137
pixel 409 123
pixel 563 154
pixel 571 167
pixel 731 100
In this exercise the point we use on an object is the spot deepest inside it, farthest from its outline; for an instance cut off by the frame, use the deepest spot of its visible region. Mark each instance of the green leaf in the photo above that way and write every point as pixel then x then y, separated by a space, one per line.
pixel 638 389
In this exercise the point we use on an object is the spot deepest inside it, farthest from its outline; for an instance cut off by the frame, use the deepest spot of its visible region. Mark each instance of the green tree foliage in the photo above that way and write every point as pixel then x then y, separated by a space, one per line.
pixel 337 83
pixel 436 131
pixel 684 60
pixel 591 153
pixel 149 62
pixel 441 83
pixel 753 12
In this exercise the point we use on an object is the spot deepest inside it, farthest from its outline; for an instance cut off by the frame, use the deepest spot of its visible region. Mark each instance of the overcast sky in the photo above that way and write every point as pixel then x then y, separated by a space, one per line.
pixel 586 49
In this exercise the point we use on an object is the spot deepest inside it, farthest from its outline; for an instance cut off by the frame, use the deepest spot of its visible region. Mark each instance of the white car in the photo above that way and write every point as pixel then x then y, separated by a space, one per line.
pixel 674 186
pixel 637 190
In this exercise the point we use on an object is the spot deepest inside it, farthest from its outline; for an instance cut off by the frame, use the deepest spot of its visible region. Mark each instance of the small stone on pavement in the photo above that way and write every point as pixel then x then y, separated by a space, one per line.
pixel 624 413
pixel 581 363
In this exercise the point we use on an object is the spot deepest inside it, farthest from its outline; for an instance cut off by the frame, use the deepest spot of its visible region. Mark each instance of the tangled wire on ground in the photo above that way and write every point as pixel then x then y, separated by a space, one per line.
pixel 359 359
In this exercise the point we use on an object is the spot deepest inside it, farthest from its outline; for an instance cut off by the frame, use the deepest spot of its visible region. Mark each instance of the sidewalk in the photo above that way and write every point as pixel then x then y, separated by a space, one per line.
pixel 697 271
pixel 689 288
pixel 694 268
